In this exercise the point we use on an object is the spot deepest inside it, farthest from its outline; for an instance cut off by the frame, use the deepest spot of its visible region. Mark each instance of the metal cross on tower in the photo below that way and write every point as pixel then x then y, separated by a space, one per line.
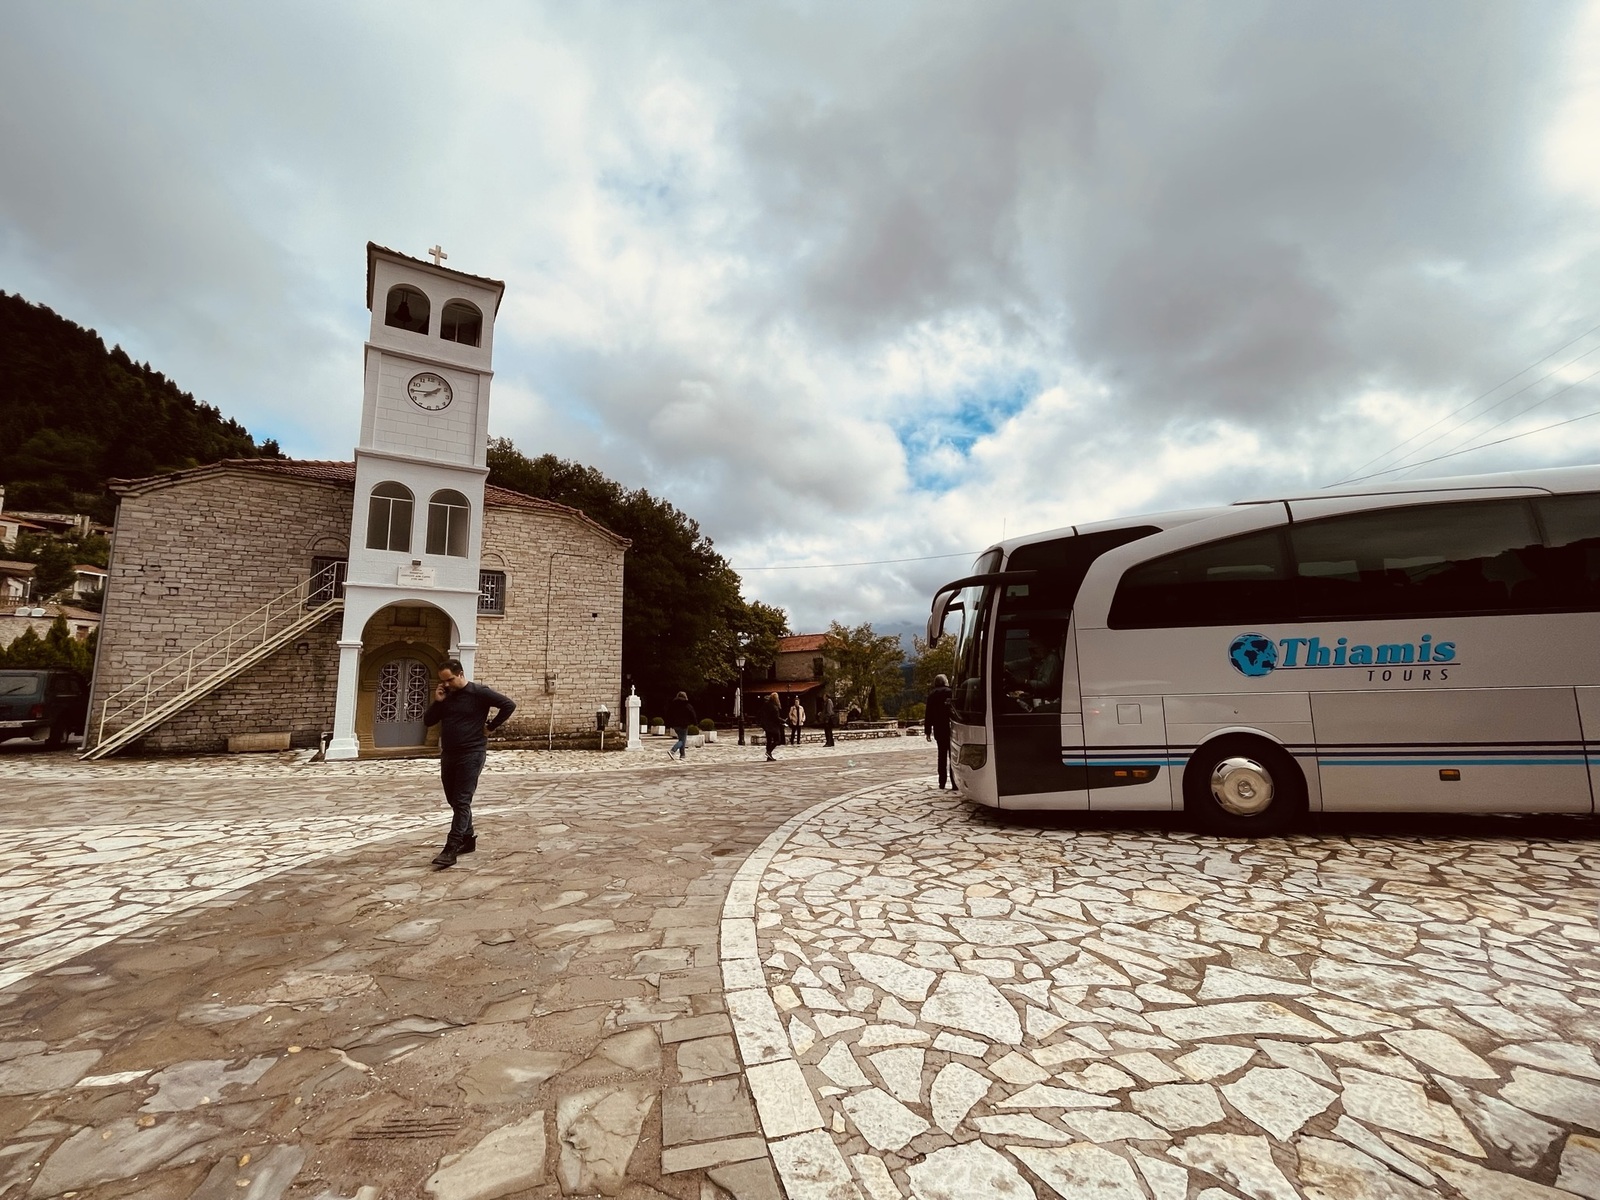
pixel 438 255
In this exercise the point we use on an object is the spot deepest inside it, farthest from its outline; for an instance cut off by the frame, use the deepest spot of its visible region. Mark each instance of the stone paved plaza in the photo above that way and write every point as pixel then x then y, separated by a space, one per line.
pixel 816 978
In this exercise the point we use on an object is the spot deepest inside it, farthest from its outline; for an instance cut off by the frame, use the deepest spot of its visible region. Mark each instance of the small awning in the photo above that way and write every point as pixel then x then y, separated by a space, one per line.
pixel 784 687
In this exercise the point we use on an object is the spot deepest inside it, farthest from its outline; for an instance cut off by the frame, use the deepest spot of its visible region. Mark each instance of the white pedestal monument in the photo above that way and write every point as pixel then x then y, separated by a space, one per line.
pixel 632 706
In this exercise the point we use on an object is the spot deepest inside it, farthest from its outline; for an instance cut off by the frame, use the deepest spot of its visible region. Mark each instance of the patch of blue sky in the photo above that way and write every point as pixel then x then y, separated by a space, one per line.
pixel 655 194
pixel 937 433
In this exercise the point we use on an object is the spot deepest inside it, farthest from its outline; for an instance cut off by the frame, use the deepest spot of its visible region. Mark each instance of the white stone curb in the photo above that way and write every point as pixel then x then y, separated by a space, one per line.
pixel 808 1162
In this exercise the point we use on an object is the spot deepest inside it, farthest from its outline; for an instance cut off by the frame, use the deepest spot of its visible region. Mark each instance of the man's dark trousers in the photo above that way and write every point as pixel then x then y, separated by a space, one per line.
pixel 942 740
pixel 459 771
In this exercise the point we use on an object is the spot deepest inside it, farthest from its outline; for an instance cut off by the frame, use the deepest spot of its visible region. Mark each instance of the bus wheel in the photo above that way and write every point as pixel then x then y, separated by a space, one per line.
pixel 1244 785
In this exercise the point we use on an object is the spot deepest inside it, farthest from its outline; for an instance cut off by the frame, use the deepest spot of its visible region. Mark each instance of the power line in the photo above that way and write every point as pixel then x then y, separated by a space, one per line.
pixel 1438 437
pixel 1486 445
pixel 1470 403
pixel 1517 416
pixel 879 562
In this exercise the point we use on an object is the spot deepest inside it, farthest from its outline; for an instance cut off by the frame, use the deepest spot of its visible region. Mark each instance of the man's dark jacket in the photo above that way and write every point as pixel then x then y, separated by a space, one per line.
pixel 680 714
pixel 936 718
pixel 462 713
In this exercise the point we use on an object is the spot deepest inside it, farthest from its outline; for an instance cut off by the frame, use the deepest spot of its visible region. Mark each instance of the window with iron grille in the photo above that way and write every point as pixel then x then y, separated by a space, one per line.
pixel 492 592
pixel 327 580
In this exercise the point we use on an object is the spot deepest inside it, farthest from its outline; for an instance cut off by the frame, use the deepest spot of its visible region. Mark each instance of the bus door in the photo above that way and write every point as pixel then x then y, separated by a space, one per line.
pixel 1030 653
pixel 1038 720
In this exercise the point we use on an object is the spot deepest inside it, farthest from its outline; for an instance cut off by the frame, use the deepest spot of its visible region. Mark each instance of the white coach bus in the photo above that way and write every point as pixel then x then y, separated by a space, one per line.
pixel 1425 647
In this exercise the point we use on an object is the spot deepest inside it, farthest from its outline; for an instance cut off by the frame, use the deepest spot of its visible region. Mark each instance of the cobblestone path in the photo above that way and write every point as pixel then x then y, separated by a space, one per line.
pixel 938 1005
pixel 255 986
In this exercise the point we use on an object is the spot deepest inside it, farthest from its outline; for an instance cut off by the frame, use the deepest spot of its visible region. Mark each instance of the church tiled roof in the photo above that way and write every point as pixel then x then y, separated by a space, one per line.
pixel 343 474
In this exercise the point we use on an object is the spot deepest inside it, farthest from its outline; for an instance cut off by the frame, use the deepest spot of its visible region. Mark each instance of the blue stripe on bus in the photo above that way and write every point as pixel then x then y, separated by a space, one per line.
pixel 1576 761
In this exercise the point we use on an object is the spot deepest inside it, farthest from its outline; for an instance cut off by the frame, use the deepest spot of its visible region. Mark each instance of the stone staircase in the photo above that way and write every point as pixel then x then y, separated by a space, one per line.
pixel 130 713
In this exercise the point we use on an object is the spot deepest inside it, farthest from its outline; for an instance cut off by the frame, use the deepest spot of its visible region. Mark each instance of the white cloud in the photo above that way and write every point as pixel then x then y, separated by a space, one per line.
pixel 843 283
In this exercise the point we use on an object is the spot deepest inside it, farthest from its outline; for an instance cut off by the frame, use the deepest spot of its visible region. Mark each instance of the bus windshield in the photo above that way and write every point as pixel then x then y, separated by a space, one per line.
pixel 968 704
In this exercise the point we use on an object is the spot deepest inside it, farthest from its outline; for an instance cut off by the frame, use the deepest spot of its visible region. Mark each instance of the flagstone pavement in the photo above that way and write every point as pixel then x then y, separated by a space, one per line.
pixel 816 978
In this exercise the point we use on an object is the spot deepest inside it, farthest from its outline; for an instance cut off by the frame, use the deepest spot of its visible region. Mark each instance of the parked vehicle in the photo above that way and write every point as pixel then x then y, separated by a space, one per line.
pixel 43 705
pixel 1424 645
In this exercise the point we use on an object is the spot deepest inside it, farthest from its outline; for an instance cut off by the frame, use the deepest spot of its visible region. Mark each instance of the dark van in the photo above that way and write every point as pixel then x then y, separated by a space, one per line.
pixel 43 705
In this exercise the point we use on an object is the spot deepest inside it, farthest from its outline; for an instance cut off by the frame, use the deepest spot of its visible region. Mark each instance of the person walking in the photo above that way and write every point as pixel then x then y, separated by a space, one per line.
pixel 680 715
pixel 461 710
pixel 936 726
pixel 797 721
pixel 828 717
pixel 771 714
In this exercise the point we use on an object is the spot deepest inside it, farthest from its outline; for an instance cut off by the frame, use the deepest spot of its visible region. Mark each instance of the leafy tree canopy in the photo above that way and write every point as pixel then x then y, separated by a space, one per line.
pixel 684 619
pixel 865 667
pixel 57 650
pixel 74 415
pixel 929 661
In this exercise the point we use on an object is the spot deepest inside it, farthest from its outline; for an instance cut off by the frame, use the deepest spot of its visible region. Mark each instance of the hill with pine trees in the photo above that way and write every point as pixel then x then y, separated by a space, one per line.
pixel 74 414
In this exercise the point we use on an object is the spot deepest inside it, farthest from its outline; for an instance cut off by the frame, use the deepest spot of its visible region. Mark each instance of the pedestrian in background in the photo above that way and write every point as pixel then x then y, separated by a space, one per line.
pixel 771 715
pixel 461 710
pixel 828 718
pixel 936 725
pixel 797 721
pixel 680 715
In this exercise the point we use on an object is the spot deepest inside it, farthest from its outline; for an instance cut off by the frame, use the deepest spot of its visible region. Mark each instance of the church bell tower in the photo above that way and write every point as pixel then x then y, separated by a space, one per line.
pixel 416 525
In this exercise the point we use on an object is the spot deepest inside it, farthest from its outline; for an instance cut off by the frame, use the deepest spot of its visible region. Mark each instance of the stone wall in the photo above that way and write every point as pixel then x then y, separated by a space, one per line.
pixel 566 568
pixel 189 560
pixel 192 558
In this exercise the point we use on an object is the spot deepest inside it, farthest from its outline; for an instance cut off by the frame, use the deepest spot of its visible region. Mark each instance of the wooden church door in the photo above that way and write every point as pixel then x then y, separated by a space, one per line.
pixel 404 691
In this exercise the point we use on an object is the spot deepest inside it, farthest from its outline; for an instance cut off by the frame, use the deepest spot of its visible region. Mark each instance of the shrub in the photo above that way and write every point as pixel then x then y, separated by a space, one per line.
pixel 658 721
pixel 708 726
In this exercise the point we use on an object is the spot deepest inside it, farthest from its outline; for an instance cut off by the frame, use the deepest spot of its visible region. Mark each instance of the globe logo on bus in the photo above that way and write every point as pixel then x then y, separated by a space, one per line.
pixel 1253 654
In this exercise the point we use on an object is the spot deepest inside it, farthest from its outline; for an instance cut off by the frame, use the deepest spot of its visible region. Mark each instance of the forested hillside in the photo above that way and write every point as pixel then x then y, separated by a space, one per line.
pixel 74 414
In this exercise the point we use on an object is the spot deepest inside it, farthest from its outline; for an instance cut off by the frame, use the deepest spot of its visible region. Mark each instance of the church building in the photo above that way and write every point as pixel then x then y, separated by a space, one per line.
pixel 271 601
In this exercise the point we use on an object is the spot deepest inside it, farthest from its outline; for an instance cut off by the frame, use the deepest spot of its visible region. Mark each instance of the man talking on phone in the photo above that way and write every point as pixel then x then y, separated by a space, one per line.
pixel 461 710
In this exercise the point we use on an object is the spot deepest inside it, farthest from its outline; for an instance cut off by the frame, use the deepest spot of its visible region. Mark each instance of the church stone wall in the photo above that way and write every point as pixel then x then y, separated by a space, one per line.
pixel 563 567
pixel 191 558
pixel 188 561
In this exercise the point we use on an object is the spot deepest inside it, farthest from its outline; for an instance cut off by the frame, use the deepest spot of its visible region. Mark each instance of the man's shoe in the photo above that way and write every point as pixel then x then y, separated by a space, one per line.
pixel 469 844
pixel 445 857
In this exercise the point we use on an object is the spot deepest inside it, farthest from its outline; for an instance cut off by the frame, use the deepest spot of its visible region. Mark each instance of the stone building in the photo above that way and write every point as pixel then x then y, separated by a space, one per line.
pixel 295 599
pixel 798 672
pixel 197 551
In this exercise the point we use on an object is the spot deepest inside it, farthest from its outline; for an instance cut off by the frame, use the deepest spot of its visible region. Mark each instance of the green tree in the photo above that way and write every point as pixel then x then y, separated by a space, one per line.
pixel 928 661
pixel 865 667
pixel 53 573
pixel 58 650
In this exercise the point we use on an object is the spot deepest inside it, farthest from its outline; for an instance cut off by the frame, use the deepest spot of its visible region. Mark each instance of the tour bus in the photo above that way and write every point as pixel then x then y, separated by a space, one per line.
pixel 1428 646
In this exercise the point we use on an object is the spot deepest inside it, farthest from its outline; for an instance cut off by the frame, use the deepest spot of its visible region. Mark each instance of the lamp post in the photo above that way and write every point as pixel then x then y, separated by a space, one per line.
pixel 738 698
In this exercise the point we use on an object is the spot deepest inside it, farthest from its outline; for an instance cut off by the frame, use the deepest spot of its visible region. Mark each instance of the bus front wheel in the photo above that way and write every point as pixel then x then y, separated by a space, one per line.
pixel 1243 785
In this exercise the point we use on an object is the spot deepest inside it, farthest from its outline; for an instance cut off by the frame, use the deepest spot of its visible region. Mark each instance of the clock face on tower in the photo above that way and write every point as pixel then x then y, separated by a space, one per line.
pixel 429 391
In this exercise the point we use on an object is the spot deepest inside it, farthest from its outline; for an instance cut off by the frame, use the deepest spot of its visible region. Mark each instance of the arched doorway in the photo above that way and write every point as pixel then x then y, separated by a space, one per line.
pixel 403 646
pixel 404 685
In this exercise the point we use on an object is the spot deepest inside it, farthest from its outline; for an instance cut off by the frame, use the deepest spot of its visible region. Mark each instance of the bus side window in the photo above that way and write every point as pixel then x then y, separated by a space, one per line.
pixel 1473 557
pixel 1570 572
pixel 1241 580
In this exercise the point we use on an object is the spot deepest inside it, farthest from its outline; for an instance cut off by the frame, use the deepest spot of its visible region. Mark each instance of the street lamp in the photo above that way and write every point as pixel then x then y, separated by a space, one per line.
pixel 738 698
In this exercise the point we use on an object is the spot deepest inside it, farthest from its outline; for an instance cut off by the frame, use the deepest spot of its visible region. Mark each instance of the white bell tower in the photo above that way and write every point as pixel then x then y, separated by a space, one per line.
pixel 416 527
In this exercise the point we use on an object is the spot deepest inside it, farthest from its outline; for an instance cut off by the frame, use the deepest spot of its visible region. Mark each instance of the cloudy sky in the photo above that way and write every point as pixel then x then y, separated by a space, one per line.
pixel 848 281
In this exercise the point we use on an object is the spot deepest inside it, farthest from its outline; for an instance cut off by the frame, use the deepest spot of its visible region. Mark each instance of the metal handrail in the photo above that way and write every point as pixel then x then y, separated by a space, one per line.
pixel 241 633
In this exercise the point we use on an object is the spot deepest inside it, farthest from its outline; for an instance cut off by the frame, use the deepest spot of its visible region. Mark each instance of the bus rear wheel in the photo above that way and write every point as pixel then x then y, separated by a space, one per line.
pixel 1243 785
